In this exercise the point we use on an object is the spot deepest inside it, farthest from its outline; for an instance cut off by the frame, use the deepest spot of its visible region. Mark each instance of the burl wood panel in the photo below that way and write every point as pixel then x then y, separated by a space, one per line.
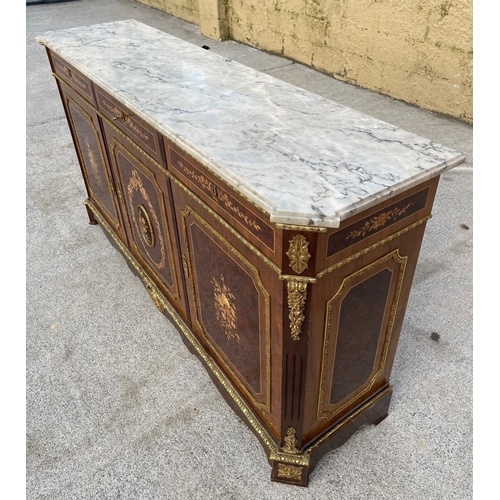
pixel 360 323
pixel 228 304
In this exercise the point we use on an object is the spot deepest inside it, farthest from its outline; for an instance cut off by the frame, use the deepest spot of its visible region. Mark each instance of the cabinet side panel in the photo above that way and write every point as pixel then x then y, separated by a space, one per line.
pixel 360 323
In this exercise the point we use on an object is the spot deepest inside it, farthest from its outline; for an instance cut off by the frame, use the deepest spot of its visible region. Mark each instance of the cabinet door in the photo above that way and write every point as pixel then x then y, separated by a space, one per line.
pixel 84 125
pixel 229 289
pixel 144 193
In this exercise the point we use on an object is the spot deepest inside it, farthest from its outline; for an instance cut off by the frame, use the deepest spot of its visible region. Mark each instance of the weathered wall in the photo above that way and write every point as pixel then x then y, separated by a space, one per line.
pixel 185 9
pixel 419 51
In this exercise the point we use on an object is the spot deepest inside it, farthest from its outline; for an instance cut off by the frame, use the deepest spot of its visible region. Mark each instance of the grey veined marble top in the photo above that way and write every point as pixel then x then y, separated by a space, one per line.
pixel 300 157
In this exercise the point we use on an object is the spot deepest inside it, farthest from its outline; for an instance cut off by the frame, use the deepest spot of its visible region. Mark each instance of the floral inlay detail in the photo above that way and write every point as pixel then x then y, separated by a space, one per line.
pixel 219 196
pixel 135 185
pixel 225 308
pixel 147 232
pixel 378 221
pixel 298 253
pixel 93 162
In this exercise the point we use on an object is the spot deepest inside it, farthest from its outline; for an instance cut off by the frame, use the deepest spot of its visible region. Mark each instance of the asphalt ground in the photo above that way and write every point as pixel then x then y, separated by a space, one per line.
pixel 116 405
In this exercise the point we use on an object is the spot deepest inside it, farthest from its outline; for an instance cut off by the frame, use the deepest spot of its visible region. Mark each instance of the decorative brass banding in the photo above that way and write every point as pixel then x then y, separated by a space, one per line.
pixel 155 297
pixel 298 253
pixel 295 227
pixel 297 292
pixel 185 265
pixel 301 279
pixel 290 472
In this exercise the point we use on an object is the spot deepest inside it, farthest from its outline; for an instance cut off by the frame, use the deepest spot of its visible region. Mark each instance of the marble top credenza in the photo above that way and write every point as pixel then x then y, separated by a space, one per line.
pixel 278 230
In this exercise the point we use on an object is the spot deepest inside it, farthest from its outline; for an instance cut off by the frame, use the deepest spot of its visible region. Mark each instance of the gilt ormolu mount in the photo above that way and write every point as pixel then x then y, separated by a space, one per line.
pixel 277 230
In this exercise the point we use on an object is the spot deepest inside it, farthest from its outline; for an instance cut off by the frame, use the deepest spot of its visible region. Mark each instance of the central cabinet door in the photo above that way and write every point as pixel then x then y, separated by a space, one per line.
pixel 144 194
pixel 229 290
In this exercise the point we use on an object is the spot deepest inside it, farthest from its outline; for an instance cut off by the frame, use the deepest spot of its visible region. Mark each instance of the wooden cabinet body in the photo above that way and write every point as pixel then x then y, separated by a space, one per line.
pixel 297 326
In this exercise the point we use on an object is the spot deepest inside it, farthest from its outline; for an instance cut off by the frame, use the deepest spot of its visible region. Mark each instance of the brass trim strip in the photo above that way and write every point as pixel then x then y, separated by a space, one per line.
pixel 294 227
pixel 247 411
pixel 300 279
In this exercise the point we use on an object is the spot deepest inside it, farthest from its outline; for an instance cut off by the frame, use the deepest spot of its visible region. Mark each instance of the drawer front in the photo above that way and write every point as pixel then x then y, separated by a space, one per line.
pixel 73 78
pixel 237 212
pixel 139 131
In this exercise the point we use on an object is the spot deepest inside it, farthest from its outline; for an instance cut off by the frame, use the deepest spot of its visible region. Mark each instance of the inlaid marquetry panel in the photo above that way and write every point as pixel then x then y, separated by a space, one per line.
pixel 232 306
pixel 145 208
pixel 376 222
pixel 73 77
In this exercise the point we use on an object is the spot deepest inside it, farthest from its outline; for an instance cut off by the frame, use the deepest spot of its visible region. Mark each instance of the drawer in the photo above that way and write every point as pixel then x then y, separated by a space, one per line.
pixel 240 213
pixel 73 78
pixel 143 134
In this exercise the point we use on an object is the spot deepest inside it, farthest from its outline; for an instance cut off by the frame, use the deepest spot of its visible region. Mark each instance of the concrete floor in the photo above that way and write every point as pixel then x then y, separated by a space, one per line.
pixel 116 405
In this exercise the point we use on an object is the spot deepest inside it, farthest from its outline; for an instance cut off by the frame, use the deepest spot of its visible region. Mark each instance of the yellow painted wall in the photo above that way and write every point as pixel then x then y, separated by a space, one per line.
pixel 419 51
pixel 185 9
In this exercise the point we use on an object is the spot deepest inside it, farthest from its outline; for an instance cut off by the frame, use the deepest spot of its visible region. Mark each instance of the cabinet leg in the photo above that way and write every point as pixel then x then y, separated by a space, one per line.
pixel 289 474
pixel 92 219
pixel 383 417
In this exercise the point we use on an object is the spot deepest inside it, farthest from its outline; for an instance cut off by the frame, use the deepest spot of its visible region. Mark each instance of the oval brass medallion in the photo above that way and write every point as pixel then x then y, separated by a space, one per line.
pixel 146 228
